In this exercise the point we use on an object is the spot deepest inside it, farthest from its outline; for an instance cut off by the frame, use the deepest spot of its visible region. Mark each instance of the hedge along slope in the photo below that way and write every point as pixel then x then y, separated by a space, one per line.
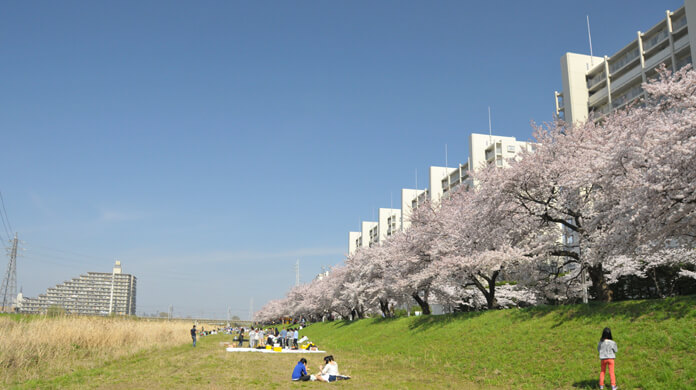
pixel 551 346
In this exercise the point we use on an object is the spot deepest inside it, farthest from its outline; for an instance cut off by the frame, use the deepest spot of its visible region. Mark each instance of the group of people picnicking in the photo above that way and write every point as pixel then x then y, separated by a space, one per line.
pixel 259 338
pixel 285 338
pixel 328 372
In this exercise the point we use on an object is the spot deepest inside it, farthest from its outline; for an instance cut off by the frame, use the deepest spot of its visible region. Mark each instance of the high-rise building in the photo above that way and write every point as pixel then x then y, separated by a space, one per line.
pixel 602 84
pixel 96 293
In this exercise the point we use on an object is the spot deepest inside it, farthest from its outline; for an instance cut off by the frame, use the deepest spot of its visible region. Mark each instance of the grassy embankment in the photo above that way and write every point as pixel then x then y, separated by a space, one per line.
pixel 543 347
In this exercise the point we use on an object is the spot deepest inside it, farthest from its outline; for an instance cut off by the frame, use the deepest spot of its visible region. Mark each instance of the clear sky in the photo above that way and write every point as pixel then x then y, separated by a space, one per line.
pixel 209 145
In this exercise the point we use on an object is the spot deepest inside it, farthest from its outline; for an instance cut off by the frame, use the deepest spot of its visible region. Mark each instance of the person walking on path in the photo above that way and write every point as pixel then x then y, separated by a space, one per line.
pixel 193 335
pixel 241 337
pixel 607 353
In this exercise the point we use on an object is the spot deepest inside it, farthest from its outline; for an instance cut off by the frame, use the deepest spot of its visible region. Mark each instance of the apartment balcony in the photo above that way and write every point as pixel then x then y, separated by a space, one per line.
pixel 681 43
pixel 626 78
pixel 651 40
pixel 598 98
pixel 596 81
pixel 658 58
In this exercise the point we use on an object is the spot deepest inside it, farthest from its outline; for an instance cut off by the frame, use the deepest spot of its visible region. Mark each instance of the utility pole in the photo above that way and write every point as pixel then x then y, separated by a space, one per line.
pixel 297 273
pixel 9 283
pixel 251 309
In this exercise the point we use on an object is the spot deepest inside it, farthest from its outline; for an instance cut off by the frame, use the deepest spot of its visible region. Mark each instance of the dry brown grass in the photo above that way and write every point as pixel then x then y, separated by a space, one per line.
pixel 45 347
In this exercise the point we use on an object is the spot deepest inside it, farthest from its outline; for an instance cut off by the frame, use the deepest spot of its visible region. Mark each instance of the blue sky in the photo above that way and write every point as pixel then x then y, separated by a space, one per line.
pixel 208 145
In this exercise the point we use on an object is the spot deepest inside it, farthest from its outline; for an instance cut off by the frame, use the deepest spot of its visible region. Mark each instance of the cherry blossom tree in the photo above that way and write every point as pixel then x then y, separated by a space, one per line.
pixel 613 196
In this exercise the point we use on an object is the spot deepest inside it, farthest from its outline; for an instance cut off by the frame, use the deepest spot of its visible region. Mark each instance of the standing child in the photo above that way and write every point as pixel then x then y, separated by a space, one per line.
pixel 607 353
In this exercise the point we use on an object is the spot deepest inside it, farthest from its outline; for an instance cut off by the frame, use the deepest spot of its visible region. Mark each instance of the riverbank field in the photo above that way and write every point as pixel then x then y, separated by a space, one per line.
pixel 541 347
pixel 34 347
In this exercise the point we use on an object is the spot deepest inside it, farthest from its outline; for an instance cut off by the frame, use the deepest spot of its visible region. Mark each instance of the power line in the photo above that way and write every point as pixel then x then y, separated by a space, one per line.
pixel 70 253
pixel 5 219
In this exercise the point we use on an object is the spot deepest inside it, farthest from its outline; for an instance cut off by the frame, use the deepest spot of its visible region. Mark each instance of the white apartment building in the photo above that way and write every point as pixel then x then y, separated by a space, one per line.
pixel 407 197
pixel 372 233
pixel 369 233
pixel 354 241
pixel 96 293
pixel 411 199
pixel 601 84
pixel 388 223
pixel 484 149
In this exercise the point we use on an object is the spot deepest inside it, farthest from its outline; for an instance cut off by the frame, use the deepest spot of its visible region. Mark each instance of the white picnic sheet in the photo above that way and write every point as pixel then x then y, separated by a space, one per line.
pixel 230 349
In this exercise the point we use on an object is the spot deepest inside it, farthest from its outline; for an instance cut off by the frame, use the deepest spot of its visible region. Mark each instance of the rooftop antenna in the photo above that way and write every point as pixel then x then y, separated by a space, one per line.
pixel 490 131
pixel 589 36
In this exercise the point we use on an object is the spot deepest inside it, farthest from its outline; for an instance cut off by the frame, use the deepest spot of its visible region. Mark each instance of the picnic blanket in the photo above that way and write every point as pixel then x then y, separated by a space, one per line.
pixel 230 349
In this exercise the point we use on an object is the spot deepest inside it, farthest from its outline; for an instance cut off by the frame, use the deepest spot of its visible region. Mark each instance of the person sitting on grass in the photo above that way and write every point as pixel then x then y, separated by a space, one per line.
pixel 300 371
pixel 329 371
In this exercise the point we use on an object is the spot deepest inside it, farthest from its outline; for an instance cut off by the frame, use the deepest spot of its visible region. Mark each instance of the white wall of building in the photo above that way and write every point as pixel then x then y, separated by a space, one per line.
pixel 389 222
pixel 690 6
pixel 354 243
pixel 368 228
pixel 574 67
pixel 407 197
pixel 437 174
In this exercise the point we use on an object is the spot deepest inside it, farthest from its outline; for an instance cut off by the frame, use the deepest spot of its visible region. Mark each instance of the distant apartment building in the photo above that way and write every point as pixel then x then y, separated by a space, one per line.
pixel 412 198
pixel 388 222
pixel 95 293
pixel 407 206
pixel 363 238
pixel 354 241
pixel 484 149
pixel 602 84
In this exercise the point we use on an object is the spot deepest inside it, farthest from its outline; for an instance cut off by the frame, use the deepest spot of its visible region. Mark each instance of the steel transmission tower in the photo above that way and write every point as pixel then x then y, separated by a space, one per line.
pixel 9 283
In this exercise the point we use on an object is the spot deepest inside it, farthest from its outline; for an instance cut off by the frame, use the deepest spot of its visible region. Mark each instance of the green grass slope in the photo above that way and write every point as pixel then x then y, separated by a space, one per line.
pixel 541 347
pixel 536 348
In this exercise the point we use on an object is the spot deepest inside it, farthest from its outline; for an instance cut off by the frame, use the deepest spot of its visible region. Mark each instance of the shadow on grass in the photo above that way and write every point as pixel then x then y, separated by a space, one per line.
pixel 422 323
pixel 344 323
pixel 587 384
pixel 656 309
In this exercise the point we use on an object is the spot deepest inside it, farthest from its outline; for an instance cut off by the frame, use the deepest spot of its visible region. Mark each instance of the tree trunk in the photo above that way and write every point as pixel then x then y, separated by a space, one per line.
pixel 384 307
pixel 423 303
pixel 489 291
pixel 599 284
pixel 361 312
